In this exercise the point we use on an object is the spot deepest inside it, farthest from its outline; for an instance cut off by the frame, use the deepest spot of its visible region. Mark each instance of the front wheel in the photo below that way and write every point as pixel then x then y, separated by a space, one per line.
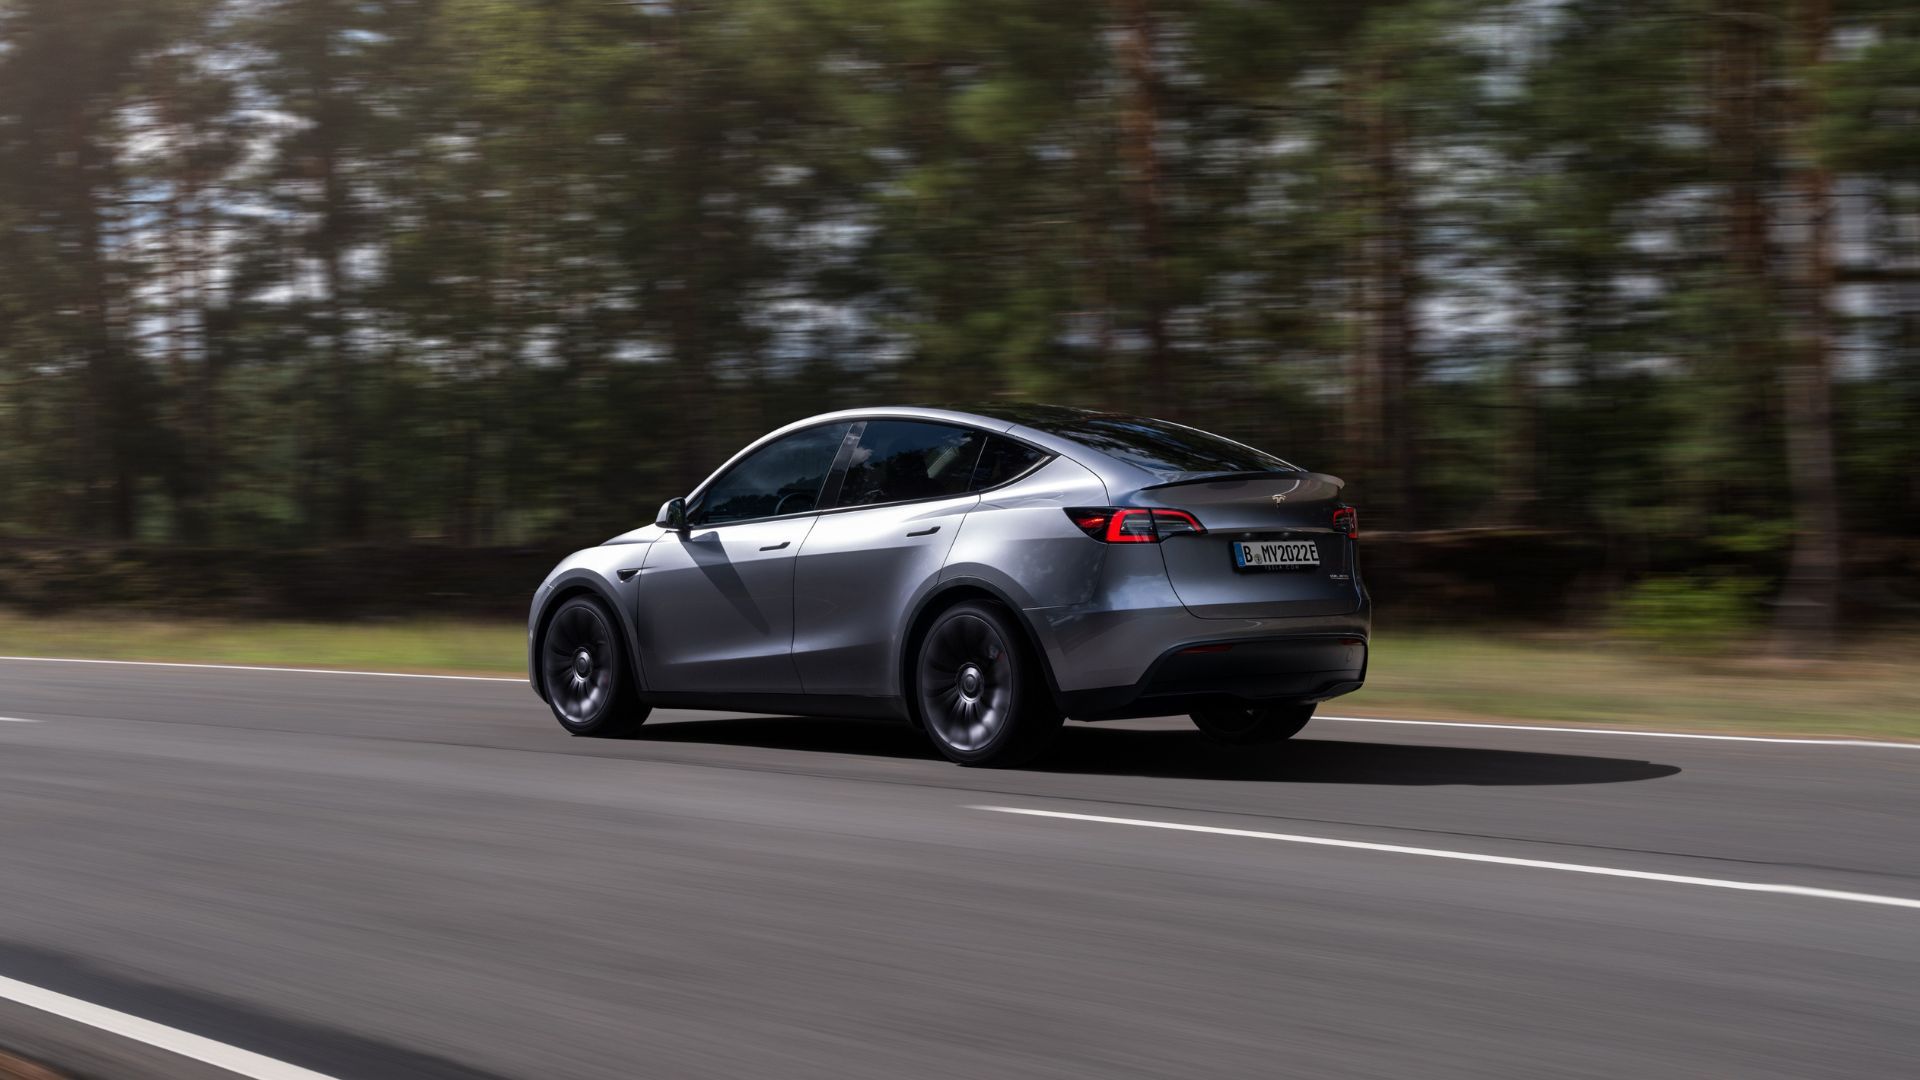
pixel 981 695
pixel 584 675
pixel 1242 724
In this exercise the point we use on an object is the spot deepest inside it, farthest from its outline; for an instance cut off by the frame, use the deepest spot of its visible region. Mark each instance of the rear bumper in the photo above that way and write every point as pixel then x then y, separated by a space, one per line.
pixel 1312 667
pixel 1121 650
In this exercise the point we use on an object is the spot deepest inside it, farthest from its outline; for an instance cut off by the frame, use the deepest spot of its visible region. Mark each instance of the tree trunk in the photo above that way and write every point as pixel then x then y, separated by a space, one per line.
pixel 332 238
pixel 1140 130
pixel 1744 156
pixel 1740 122
pixel 189 352
pixel 1809 604
pixel 109 425
pixel 1096 255
pixel 695 387
pixel 1385 364
pixel 1520 485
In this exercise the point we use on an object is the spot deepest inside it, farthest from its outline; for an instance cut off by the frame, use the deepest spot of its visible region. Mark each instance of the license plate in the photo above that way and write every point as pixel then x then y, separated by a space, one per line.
pixel 1275 554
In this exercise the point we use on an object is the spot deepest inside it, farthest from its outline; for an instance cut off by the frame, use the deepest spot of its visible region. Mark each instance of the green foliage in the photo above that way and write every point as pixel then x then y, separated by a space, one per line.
pixel 1689 614
pixel 492 272
pixel 1870 118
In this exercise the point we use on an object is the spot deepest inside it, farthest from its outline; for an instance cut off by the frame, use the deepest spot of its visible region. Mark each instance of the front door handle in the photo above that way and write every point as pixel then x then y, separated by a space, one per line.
pixel 776 547
pixel 926 532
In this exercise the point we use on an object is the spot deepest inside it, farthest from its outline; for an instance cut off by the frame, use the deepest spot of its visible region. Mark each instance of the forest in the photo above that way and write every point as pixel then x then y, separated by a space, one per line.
pixel 1639 277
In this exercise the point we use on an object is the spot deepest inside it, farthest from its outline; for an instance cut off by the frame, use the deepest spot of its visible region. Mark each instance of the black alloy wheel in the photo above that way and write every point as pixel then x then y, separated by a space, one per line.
pixel 1241 724
pixel 980 694
pixel 584 674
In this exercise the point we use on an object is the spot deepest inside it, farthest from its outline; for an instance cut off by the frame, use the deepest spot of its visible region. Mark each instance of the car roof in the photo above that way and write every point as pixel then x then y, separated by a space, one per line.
pixel 1028 422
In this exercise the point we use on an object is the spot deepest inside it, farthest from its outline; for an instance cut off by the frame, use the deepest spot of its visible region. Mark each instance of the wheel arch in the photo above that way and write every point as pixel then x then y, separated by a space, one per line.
pixel 584 583
pixel 950 594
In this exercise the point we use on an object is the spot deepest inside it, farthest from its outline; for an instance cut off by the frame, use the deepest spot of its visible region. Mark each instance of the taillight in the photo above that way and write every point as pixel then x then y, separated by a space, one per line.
pixel 1115 525
pixel 1347 520
pixel 1132 525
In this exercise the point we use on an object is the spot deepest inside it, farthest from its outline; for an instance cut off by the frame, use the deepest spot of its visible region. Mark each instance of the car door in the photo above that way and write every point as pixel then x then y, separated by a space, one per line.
pixel 903 492
pixel 715 602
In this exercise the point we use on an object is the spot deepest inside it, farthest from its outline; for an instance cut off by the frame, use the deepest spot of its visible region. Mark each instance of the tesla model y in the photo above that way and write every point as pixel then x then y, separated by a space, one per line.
pixel 982 573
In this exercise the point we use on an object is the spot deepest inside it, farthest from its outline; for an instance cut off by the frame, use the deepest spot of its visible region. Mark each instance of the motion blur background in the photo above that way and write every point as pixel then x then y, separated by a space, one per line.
pixel 1609 312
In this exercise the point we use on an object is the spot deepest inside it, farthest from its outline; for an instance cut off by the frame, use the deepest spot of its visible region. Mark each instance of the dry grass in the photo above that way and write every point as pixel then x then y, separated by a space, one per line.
pixel 1569 680
pixel 422 645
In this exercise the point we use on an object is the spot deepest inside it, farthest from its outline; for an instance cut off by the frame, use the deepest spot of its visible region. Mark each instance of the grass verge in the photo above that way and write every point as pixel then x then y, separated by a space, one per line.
pixel 1419 675
pixel 1566 680
pixel 467 647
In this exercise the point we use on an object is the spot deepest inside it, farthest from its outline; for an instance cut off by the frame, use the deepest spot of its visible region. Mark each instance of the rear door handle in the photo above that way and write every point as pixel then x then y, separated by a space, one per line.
pixel 776 547
pixel 926 532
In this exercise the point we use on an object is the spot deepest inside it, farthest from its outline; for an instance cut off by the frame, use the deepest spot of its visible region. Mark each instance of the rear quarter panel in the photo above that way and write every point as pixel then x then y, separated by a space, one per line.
pixel 1021 541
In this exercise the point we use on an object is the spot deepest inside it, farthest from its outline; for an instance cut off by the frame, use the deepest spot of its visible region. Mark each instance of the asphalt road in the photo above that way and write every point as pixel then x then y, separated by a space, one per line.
pixel 411 878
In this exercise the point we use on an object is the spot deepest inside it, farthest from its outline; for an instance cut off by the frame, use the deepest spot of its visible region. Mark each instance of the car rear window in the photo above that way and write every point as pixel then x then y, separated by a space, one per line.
pixel 1158 446
pixel 1003 460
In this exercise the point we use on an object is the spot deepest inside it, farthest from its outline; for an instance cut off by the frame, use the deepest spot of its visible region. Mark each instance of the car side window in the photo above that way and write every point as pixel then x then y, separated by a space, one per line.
pixel 905 460
pixel 1001 461
pixel 783 477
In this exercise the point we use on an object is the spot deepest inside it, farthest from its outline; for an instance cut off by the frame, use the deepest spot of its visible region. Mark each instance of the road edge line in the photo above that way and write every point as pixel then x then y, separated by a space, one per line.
pixel 1469 856
pixel 174 1041
pixel 263 667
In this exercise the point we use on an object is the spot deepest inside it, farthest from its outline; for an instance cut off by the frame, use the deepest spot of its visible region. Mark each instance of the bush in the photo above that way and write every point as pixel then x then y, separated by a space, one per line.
pixel 1694 614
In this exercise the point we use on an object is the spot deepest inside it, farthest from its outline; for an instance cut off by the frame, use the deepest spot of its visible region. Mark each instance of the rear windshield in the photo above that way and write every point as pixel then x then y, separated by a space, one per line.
pixel 1156 445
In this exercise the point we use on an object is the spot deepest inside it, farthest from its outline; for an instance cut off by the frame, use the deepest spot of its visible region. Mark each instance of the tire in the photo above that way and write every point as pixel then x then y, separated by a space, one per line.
pixel 584 673
pixel 1241 724
pixel 980 693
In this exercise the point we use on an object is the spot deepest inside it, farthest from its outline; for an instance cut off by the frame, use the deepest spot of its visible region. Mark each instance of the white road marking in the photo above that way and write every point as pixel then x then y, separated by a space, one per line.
pixel 173 1040
pixel 1468 856
pixel 1630 731
pixel 257 667
pixel 16 720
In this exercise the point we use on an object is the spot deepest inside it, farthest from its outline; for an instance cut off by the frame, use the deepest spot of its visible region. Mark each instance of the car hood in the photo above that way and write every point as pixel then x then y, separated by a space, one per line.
pixel 645 534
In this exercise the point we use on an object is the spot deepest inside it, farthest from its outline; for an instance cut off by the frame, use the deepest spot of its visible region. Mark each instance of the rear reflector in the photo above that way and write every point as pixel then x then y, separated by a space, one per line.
pixel 1132 525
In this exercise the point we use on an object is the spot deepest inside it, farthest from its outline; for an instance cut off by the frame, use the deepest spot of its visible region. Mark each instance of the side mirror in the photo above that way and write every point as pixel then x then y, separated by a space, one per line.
pixel 673 515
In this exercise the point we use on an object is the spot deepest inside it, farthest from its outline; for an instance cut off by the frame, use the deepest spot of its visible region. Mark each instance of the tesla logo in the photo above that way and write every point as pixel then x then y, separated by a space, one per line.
pixel 1278 499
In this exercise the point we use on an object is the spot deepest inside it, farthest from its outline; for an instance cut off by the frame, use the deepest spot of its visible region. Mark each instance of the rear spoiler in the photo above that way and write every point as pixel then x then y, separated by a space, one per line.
pixel 1210 478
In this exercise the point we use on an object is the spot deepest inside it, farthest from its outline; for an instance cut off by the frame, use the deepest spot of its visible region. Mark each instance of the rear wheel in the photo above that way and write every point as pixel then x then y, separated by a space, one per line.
pixel 584 675
pixel 981 695
pixel 1241 724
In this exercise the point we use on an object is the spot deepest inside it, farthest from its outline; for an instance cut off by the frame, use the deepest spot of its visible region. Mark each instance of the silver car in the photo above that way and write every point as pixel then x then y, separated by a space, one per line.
pixel 983 574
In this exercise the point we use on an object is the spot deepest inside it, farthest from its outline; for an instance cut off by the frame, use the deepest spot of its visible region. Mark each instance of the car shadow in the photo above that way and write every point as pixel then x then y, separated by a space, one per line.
pixel 1095 750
